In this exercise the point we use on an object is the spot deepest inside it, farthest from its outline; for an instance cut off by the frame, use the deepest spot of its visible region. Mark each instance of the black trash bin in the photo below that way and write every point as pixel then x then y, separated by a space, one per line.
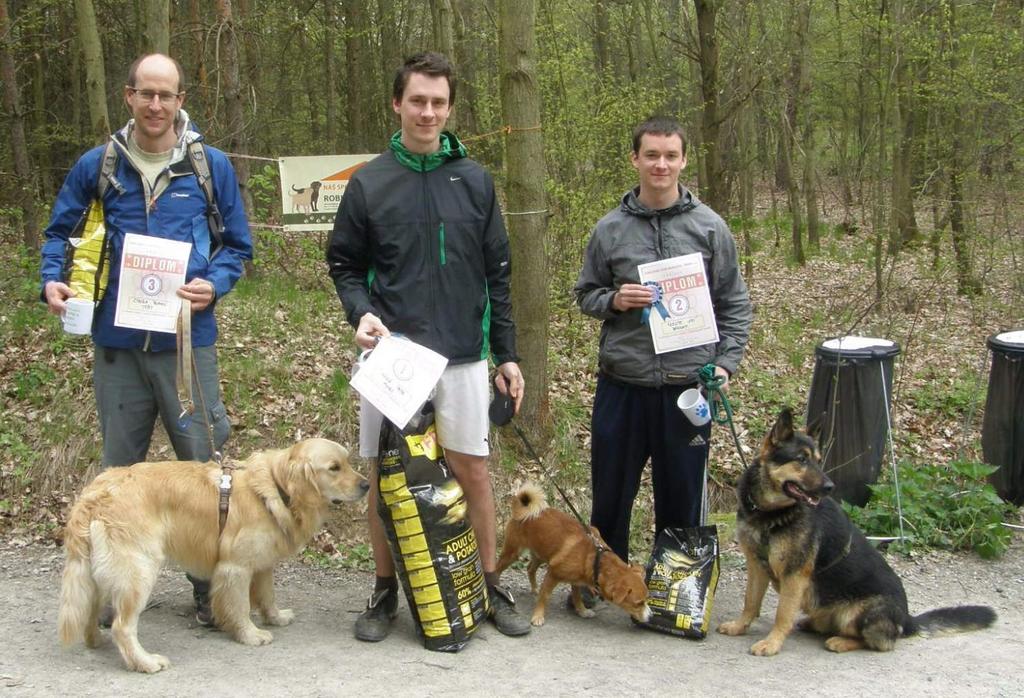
pixel 1002 431
pixel 851 392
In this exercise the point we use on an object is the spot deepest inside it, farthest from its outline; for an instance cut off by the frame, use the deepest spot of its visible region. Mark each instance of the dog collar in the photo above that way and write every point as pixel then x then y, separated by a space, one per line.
pixel 598 552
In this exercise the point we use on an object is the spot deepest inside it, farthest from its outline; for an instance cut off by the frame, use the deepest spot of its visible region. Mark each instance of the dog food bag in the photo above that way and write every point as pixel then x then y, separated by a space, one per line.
pixel 682 576
pixel 432 542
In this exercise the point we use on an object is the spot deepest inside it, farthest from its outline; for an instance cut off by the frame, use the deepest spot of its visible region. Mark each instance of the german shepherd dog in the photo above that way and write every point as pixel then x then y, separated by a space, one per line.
pixel 795 536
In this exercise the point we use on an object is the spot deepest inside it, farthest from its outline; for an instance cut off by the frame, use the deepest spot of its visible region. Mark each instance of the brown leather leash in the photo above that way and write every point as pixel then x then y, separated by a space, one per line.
pixel 186 368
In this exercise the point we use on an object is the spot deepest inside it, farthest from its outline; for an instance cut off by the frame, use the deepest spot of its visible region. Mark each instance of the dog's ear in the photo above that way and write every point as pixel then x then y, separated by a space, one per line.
pixel 783 429
pixel 305 471
pixel 813 429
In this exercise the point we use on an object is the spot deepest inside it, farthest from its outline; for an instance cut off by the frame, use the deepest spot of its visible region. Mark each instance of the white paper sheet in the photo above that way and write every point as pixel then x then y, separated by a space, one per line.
pixel 398 376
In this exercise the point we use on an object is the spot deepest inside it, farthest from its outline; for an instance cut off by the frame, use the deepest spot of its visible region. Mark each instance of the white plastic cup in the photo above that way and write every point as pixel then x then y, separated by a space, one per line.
pixel 695 406
pixel 78 316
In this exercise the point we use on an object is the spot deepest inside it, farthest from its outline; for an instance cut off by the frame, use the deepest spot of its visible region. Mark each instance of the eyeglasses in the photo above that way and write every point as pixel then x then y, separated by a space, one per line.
pixel 166 98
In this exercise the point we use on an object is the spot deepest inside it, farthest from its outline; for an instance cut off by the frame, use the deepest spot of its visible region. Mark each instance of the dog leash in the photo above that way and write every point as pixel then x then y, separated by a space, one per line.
pixel 599 547
pixel 186 368
pixel 536 458
pixel 717 398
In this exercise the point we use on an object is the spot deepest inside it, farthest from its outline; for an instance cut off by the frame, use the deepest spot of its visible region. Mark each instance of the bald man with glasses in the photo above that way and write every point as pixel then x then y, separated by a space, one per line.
pixel 152 189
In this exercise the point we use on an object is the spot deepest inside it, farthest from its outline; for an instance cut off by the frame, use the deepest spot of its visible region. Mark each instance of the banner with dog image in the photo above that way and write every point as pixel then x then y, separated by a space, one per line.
pixel 311 188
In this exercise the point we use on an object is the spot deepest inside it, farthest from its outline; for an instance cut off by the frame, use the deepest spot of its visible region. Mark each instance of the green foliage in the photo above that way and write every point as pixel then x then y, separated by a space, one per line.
pixel 354 557
pixel 945 506
pixel 265 187
pixel 950 396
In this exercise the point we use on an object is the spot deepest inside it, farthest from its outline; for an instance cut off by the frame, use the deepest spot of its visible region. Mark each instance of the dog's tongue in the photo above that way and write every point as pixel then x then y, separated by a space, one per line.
pixel 798 494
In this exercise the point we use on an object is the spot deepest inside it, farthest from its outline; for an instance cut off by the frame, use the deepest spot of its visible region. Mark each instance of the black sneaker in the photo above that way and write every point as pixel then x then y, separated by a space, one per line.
pixel 374 624
pixel 590 599
pixel 204 612
pixel 503 612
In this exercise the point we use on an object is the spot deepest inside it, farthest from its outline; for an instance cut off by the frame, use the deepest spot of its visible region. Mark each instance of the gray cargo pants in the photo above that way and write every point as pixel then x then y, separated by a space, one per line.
pixel 134 387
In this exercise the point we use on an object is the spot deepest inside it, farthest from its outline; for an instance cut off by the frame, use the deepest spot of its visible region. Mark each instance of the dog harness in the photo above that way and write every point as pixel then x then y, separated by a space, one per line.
pixel 227 469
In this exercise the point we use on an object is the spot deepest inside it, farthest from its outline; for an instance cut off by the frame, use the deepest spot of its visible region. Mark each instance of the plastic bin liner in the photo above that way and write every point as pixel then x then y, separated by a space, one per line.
pixel 849 405
pixel 1002 431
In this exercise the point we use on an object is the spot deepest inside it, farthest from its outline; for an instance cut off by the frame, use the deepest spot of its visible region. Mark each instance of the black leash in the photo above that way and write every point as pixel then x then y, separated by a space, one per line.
pixel 599 547
pixel 536 458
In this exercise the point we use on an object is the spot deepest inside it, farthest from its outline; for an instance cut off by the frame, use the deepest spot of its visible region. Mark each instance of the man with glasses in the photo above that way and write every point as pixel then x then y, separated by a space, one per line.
pixel 153 190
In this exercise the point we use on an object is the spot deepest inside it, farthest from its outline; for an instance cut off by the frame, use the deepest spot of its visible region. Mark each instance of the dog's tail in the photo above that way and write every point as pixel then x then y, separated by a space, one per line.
pixel 298 190
pixel 954 619
pixel 528 501
pixel 78 590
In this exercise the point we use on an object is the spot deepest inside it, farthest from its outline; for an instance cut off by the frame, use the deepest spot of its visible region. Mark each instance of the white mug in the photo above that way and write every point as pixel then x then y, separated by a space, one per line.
pixel 78 315
pixel 695 406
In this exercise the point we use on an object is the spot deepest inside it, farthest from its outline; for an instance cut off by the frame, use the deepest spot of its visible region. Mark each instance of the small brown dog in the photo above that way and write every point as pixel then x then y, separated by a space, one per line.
pixel 572 554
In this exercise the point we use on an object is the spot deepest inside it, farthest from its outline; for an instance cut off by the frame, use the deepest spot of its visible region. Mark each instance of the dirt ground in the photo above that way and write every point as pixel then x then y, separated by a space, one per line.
pixel 318 656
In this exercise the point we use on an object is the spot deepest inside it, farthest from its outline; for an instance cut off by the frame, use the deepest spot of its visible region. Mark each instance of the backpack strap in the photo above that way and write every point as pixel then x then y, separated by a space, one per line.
pixel 108 168
pixel 201 167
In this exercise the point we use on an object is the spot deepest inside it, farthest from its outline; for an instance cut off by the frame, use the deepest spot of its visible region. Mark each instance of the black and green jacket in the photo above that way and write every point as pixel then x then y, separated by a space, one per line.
pixel 419 241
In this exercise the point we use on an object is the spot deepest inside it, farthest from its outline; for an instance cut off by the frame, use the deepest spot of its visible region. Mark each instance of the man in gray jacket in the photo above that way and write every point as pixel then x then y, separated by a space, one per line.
pixel 635 415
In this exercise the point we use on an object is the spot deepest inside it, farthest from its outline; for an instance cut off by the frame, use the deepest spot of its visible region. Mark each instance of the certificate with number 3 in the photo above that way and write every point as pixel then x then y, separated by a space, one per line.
pixel 152 271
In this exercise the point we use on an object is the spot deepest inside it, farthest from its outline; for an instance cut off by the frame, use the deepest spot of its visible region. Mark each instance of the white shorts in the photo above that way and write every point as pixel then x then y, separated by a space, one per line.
pixel 461 399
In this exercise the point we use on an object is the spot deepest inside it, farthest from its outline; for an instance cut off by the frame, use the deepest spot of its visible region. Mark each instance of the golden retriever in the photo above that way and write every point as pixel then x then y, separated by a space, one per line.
pixel 555 538
pixel 129 520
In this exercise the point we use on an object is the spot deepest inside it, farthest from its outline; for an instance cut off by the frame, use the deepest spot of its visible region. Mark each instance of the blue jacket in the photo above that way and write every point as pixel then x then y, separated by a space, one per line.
pixel 179 213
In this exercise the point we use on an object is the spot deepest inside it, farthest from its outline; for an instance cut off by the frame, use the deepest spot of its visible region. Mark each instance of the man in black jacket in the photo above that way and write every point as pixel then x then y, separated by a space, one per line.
pixel 419 248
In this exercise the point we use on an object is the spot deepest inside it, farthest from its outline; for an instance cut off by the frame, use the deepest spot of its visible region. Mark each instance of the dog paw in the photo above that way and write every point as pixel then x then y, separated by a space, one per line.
pixel 585 612
pixel 93 638
pixel 150 663
pixel 279 617
pixel 255 637
pixel 837 643
pixel 537 620
pixel 765 648
pixel 733 627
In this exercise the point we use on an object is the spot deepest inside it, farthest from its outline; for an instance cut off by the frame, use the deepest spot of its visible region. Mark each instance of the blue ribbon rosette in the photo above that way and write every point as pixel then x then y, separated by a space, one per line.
pixel 656 302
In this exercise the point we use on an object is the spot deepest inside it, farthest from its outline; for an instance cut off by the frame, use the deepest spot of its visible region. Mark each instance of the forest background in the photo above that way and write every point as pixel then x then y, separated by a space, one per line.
pixel 864 152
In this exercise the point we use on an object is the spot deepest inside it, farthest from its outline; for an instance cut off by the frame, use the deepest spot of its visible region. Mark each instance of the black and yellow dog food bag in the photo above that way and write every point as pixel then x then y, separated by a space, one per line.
pixel 681 577
pixel 433 545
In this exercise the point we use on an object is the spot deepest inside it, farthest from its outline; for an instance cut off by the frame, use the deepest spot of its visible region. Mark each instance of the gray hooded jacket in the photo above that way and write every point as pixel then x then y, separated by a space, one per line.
pixel 633 234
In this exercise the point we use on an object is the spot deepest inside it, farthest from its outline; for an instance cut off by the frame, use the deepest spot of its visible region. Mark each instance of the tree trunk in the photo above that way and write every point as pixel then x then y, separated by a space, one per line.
pixel 199 73
pixel 95 75
pixel 792 193
pixel 601 32
pixel 747 153
pixel 391 55
pixel 465 65
pixel 19 146
pixel 156 26
pixel 811 186
pixel 966 283
pixel 357 56
pixel 444 41
pixel 236 140
pixel 331 76
pixel 526 201
pixel 713 188
pixel 905 221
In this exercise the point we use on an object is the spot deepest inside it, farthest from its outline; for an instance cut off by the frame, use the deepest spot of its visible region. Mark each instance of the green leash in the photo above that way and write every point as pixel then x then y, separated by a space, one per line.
pixel 718 403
